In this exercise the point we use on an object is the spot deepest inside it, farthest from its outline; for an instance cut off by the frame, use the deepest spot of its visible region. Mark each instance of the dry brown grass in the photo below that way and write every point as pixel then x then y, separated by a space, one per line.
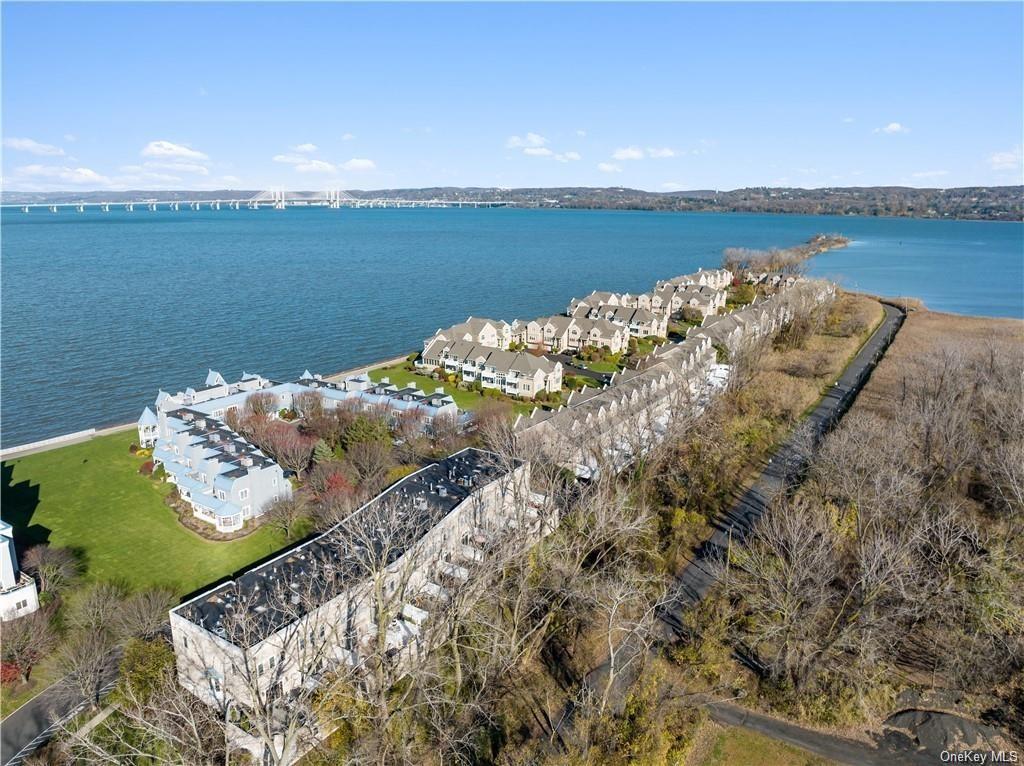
pixel 792 380
pixel 925 332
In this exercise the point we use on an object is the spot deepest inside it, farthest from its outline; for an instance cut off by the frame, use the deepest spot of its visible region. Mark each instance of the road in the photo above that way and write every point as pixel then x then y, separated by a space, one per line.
pixel 31 726
pixel 829 746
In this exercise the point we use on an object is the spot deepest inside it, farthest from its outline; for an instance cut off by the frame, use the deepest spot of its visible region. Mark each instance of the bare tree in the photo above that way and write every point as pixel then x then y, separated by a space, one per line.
pixel 86 663
pixel 144 613
pixel 370 462
pixel 96 608
pixel 166 727
pixel 287 512
pixel 55 568
pixel 26 640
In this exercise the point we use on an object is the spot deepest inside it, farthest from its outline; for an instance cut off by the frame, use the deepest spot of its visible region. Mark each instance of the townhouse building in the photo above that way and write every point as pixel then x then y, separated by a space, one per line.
pixel 570 334
pixel 18 593
pixel 313 608
pixel 225 479
pixel 511 372
pixel 485 332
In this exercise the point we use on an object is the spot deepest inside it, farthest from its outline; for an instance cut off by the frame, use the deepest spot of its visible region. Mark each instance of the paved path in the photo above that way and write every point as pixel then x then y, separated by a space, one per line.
pixel 693 583
pixel 829 746
pixel 31 726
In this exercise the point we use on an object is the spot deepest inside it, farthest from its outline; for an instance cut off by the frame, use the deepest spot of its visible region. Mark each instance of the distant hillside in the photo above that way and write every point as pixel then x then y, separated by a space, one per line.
pixel 999 203
pixel 996 203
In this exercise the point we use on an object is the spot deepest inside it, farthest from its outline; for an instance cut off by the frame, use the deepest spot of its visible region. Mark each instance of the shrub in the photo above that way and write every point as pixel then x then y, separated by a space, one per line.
pixel 146 469
pixel 287 414
pixel 133 448
pixel 143 452
pixel 9 674
pixel 159 472
pixel 412 357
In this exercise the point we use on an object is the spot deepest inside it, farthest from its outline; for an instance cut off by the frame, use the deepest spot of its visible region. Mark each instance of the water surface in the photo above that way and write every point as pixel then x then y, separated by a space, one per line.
pixel 100 310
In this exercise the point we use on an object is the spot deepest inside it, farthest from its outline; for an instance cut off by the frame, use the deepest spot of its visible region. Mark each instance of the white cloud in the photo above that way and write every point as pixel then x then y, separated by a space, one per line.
pixel 581 133
pixel 305 164
pixel 892 128
pixel 178 167
pixel 538 151
pixel 568 157
pixel 33 147
pixel 347 137
pixel 315 166
pixel 167 149
pixel 1011 160
pixel 847 120
pixel 662 153
pixel 305 148
pixel 203 91
pixel 66 174
pixel 930 174
pixel 357 164
pixel 531 140
pixel 609 167
pixel 672 186
pixel 628 153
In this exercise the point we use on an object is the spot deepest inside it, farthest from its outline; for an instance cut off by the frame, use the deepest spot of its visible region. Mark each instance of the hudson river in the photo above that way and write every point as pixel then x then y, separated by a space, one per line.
pixel 100 310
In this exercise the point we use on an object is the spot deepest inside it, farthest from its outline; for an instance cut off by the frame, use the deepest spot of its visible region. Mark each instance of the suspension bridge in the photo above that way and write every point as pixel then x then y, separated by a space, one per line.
pixel 274 200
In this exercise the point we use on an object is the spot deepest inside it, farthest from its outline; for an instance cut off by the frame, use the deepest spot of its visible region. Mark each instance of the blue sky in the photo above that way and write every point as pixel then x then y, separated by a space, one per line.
pixel 655 96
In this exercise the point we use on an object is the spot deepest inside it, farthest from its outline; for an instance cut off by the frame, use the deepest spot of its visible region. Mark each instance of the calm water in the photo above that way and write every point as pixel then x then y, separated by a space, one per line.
pixel 100 310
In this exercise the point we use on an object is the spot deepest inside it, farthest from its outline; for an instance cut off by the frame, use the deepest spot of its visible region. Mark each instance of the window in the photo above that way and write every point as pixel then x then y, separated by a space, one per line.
pixel 273 661
pixel 202 478
pixel 21 604
pixel 246 510
pixel 274 482
pixel 259 670
pixel 220 494
pixel 216 684
pixel 243 494
pixel 184 641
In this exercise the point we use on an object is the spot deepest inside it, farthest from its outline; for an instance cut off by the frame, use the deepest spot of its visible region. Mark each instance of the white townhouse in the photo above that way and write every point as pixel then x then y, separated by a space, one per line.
pixel 513 373
pixel 486 332
pixel 18 593
pixel 639 323
pixel 314 608
pixel 225 479
pixel 560 333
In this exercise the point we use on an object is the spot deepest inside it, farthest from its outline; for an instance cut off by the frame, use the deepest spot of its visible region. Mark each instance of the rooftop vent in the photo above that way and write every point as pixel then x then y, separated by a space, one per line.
pixel 201 422
pixel 246 461
pixel 442 491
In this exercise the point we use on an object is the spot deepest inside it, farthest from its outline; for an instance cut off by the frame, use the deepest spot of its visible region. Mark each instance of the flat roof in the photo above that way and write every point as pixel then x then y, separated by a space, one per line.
pixel 284 589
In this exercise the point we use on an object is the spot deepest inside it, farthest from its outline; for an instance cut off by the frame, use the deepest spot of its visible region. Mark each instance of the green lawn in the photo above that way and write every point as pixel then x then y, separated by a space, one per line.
pixel 601 366
pixel 466 400
pixel 742 746
pixel 91 498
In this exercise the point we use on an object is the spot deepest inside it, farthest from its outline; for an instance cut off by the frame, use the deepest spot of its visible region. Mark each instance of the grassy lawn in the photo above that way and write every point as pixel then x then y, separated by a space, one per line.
pixel 740 746
pixel 466 400
pixel 13 697
pixel 91 498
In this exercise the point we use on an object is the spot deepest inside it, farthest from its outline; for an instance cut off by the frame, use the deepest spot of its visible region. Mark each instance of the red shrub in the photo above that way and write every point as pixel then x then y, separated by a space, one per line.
pixel 9 674
pixel 146 469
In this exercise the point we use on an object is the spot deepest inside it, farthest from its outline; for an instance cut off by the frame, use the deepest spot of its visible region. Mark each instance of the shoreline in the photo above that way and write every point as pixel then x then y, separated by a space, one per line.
pixel 914 305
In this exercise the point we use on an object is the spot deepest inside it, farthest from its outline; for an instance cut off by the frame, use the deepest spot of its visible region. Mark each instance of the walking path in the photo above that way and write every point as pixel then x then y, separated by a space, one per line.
pixel 693 583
